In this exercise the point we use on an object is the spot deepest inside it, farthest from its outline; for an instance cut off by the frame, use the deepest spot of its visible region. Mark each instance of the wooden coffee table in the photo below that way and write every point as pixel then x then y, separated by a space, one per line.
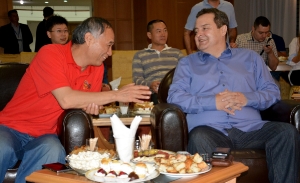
pixel 216 175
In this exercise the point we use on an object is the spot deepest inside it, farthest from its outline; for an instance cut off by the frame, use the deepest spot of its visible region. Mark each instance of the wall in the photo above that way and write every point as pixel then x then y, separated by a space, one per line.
pixel 32 18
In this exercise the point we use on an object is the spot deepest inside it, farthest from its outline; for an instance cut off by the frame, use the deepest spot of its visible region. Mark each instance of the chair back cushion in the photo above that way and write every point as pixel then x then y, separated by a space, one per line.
pixel 164 86
pixel 10 77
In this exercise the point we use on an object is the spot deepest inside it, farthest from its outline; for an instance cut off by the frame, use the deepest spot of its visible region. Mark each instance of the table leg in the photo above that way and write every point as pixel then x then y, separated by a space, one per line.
pixel 102 142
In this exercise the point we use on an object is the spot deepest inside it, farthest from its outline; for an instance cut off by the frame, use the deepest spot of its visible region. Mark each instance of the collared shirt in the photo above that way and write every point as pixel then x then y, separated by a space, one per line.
pixel 200 76
pixel 150 65
pixel 247 41
pixel 223 6
pixel 18 33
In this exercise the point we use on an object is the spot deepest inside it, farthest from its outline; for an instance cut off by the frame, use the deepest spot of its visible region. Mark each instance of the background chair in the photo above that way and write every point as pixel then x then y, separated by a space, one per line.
pixel 169 131
pixel 76 125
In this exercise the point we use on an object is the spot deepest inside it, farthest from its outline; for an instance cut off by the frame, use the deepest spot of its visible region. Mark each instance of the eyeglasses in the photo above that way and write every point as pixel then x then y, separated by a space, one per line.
pixel 60 31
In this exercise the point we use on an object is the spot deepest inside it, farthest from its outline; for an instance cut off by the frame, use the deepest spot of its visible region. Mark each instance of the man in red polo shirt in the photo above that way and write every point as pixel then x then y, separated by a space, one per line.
pixel 60 77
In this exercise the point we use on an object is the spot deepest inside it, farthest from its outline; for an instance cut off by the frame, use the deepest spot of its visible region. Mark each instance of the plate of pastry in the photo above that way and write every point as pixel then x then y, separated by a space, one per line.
pixel 183 165
pixel 117 171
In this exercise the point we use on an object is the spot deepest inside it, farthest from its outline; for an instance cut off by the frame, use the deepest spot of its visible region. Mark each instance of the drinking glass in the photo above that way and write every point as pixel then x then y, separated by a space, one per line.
pixel 124 107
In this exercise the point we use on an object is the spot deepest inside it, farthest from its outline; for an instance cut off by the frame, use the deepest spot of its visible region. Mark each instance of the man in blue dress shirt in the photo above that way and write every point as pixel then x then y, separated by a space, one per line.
pixel 222 90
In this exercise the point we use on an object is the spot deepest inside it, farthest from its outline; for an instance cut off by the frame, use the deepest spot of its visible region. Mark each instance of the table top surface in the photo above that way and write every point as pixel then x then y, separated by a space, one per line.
pixel 217 174
pixel 126 120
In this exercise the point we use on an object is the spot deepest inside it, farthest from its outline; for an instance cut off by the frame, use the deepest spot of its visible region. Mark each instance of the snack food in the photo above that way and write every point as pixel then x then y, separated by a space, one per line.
pixel 282 58
pixel 146 106
pixel 181 163
pixel 109 109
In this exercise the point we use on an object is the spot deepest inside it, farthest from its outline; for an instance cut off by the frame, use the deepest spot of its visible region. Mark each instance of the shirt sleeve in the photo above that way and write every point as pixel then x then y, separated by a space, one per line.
pixel 138 71
pixel 267 92
pixel 180 94
pixel 48 70
pixel 232 20
pixel 274 48
pixel 190 23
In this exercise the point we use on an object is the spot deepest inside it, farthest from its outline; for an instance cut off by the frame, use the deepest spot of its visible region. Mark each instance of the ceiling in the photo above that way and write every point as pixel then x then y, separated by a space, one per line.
pixel 52 3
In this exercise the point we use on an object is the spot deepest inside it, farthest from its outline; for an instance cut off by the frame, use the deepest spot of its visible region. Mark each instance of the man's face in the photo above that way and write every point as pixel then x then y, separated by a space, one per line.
pixel 260 33
pixel 158 34
pixel 100 48
pixel 59 34
pixel 14 17
pixel 208 35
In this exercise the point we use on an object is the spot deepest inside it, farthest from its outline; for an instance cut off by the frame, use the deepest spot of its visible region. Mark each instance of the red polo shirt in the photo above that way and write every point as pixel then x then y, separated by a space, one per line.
pixel 33 109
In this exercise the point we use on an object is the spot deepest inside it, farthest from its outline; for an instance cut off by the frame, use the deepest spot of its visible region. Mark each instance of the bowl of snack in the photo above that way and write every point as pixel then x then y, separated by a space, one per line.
pixel 82 160
pixel 108 111
pixel 282 58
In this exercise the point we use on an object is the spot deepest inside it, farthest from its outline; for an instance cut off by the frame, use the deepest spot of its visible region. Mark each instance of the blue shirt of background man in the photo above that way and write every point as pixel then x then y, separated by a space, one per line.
pixel 200 76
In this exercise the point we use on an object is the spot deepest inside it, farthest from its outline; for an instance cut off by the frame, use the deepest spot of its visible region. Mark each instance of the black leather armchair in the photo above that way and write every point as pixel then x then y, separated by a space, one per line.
pixel 169 131
pixel 76 124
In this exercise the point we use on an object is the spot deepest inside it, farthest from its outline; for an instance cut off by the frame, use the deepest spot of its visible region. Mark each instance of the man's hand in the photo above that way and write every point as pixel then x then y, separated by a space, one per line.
pixel 154 86
pixel 92 109
pixel 230 101
pixel 133 93
pixel 268 49
pixel 233 45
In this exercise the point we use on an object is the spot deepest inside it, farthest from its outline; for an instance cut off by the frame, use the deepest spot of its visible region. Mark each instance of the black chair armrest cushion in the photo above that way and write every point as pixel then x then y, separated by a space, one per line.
pixel 169 127
pixel 76 128
pixel 285 111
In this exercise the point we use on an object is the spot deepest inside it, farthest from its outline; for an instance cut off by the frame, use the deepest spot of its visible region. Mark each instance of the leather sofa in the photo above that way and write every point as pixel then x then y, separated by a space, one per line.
pixel 76 124
pixel 169 131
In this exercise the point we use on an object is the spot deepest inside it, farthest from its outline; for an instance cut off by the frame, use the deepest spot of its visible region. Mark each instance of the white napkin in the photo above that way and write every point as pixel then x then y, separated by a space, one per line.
pixel 115 83
pixel 124 137
pixel 120 130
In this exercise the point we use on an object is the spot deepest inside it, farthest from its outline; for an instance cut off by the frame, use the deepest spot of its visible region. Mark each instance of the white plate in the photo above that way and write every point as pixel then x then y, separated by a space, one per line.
pixel 105 115
pixel 187 174
pixel 90 175
pixel 143 112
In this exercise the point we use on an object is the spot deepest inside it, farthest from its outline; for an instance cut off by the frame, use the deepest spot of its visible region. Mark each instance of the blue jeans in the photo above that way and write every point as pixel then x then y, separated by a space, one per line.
pixel 280 141
pixel 34 152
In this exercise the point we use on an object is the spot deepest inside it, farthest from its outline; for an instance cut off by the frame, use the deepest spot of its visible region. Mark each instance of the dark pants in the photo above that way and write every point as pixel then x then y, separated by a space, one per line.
pixel 295 77
pixel 280 141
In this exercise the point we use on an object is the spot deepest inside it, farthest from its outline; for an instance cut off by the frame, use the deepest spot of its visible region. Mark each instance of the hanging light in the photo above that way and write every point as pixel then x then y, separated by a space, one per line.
pixel 21 2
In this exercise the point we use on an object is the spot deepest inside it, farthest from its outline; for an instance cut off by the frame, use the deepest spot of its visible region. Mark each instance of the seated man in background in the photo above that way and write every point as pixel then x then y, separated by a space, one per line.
pixel 60 77
pixel 57 29
pixel 150 65
pixel 258 41
pixel 222 90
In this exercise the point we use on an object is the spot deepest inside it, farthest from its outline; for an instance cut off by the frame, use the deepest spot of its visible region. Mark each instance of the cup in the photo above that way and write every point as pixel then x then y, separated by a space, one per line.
pixel 125 147
pixel 124 107
pixel 91 144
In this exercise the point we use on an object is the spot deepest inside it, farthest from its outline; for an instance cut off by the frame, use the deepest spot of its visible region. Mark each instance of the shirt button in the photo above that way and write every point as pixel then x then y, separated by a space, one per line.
pixel 221 72
pixel 223 85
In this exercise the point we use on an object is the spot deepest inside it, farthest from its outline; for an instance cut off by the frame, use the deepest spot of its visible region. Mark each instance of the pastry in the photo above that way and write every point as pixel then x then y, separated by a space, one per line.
pixel 141 170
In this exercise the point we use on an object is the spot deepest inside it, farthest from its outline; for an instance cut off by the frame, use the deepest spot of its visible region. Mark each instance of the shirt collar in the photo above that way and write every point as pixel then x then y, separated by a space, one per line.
pixel 226 53
pixel 206 2
pixel 150 47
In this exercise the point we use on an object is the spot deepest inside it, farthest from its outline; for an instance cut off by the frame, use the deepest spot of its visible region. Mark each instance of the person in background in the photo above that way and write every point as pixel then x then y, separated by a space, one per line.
pixel 57 29
pixel 222 90
pixel 41 31
pixel 258 41
pixel 294 58
pixel 150 65
pixel 60 77
pixel 220 5
pixel 15 37
pixel 281 52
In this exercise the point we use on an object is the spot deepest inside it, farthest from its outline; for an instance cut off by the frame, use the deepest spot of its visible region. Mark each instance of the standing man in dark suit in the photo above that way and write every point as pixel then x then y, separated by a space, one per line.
pixel 15 37
pixel 41 32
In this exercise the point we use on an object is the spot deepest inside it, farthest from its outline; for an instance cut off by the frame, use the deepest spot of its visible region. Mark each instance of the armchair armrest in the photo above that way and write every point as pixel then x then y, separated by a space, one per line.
pixel 285 111
pixel 76 128
pixel 169 127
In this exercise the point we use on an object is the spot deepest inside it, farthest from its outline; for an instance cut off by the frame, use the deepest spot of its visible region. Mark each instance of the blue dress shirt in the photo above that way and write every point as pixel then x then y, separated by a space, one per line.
pixel 200 76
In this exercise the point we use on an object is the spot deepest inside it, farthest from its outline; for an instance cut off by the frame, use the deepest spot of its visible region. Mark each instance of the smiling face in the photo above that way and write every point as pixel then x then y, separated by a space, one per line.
pixel 209 38
pixel 158 34
pixel 101 47
pixel 260 33
pixel 59 34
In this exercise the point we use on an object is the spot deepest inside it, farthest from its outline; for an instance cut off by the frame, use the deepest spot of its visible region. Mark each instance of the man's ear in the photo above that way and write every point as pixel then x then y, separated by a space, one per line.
pixel 253 29
pixel 149 35
pixel 224 30
pixel 48 34
pixel 88 37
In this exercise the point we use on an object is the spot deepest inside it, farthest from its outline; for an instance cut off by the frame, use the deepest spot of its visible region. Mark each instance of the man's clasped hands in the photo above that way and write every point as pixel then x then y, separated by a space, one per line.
pixel 229 101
